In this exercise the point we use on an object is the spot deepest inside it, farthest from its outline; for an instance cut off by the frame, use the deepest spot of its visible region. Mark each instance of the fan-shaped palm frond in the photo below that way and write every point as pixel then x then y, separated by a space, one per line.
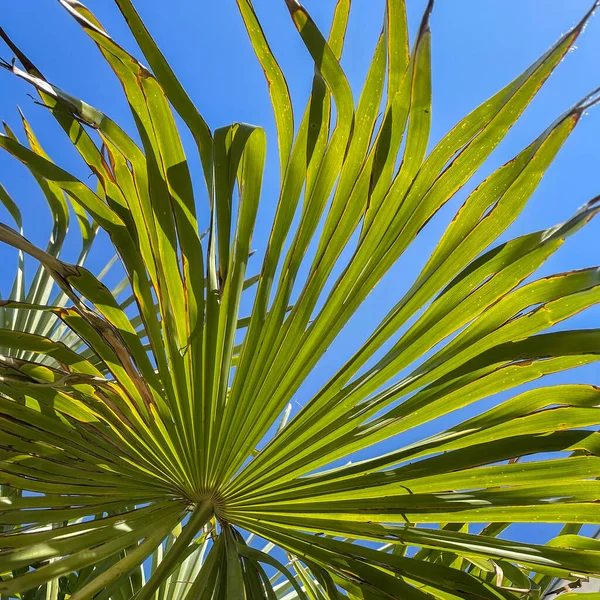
pixel 135 434
pixel 16 317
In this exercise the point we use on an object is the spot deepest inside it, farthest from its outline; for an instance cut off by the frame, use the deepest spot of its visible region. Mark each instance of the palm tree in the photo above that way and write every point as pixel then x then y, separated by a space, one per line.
pixel 155 430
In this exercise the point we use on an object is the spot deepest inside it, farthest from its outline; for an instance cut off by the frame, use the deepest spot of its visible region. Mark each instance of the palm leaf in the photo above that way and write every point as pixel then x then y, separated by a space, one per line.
pixel 143 431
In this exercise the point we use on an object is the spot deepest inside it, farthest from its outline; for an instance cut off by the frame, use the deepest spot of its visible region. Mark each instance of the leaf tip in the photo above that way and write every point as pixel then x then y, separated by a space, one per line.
pixel 27 64
pixel 425 21
pixel 590 100
pixel 584 21
pixel 294 5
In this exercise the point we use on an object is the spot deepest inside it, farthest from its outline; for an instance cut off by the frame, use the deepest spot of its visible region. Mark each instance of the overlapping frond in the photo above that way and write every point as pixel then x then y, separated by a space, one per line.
pixel 133 425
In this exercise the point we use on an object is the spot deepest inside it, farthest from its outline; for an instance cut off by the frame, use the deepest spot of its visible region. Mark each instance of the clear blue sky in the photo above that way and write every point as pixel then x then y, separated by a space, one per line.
pixel 478 46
